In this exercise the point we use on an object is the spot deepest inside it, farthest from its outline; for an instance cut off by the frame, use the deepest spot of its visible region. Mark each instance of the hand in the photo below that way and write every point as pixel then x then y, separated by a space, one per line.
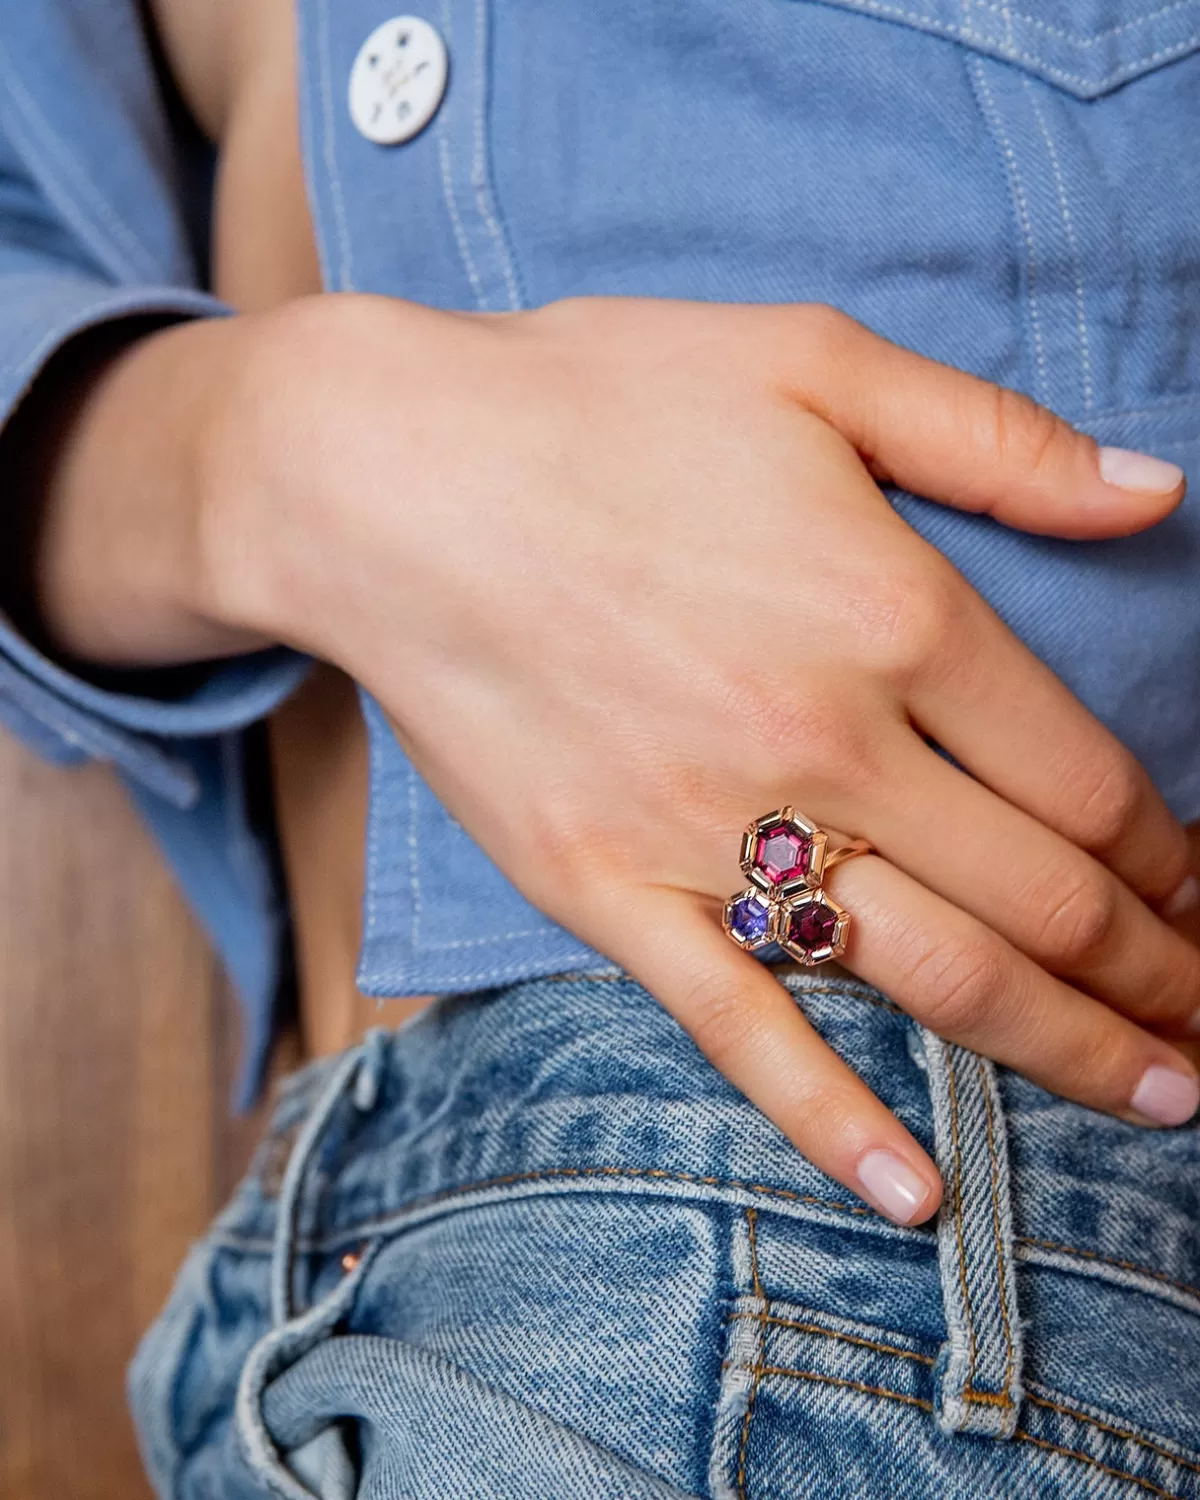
pixel 622 575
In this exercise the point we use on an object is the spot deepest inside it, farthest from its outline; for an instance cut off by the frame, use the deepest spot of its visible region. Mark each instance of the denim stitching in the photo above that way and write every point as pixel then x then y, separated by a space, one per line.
pixel 952 1089
pixel 1085 354
pixel 949 29
pixel 774 1321
pixel 1002 1265
pixel 1146 1484
pixel 1057 1406
pixel 329 153
pixel 852 1385
pixel 756 1373
pixel 479 173
pixel 987 104
pixel 460 234
pixel 42 144
pixel 414 884
pixel 1123 1265
pixel 1024 1437
pixel 1120 1432
pixel 1080 38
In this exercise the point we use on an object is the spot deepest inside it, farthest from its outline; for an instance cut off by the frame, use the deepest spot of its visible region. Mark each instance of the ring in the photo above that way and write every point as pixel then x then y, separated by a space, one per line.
pixel 786 857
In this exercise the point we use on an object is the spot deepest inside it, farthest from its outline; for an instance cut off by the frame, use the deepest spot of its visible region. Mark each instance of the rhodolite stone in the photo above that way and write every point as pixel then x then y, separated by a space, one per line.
pixel 748 918
pixel 782 854
pixel 811 926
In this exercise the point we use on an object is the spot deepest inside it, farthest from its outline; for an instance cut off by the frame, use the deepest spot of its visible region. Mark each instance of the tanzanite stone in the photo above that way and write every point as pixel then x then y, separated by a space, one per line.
pixel 748 917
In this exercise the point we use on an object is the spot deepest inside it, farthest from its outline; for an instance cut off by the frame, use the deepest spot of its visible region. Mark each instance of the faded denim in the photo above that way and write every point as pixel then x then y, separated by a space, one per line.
pixel 1015 191
pixel 580 1264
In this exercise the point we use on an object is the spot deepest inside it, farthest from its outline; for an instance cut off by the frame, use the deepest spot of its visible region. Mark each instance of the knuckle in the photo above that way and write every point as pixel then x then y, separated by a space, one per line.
pixel 713 1012
pixel 1028 437
pixel 1080 923
pixel 1111 801
pixel 905 627
pixel 959 984
pixel 788 738
pixel 822 326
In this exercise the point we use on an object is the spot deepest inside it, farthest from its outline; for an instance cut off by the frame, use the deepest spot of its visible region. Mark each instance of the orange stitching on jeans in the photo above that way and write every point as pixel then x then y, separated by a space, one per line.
pixel 1025 1437
pixel 1146 1484
pixel 850 1385
pixel 751 1217
pixel 952 1089
pixel 1121 1432
pixel 994 1167
pixel 1123 1265
pixel 830 1333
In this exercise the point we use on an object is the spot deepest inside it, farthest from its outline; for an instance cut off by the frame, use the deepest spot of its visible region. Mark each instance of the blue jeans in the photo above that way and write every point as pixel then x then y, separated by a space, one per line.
pixel 532 1244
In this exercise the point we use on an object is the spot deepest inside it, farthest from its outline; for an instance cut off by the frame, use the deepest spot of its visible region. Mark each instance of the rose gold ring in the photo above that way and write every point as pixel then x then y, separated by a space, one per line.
pixel 786 858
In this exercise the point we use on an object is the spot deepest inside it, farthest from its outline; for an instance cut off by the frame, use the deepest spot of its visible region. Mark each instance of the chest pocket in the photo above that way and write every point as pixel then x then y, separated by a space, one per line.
pixel 1087 47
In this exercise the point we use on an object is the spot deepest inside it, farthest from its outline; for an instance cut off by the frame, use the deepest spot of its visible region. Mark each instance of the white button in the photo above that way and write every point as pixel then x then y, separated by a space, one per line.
pixel 398 80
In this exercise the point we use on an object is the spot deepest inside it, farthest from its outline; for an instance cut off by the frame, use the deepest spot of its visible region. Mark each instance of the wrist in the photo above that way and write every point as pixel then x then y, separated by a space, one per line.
pixel 112 455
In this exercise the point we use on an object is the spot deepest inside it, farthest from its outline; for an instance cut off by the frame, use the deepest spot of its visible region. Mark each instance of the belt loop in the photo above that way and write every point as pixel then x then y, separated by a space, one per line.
pixel 979 1371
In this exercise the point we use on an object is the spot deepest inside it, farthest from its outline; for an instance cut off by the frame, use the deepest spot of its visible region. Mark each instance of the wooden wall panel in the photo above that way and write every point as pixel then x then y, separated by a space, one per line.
pixel 117 1041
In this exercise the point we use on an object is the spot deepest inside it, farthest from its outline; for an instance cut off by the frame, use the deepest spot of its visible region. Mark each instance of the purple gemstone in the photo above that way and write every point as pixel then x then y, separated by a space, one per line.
pixel 812 926
pixel 748 919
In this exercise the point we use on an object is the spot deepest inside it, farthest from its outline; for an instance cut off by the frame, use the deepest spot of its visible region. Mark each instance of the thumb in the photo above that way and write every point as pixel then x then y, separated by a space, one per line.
pixel 968 443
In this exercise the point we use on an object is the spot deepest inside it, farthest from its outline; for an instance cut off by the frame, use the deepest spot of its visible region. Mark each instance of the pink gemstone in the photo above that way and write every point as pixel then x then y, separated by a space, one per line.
pixel 812 926
pixel 782 854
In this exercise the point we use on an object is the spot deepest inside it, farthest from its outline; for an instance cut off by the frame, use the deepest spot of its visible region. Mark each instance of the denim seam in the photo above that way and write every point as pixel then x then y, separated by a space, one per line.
pixel 1119 1432
pixel 1080 38
pixel 1003 1265
pixel 480 177
pixel 43 145
pixel 1109 1260
pixel 1014 54
pixel 968 1387
pixel 978 1379
pixel 1068 220
pixel 1124 1433
pixel 988 108
pixel 445 166
pixel 772 1320
pixel 756 1374
pixel 345 278
pixel 787 1373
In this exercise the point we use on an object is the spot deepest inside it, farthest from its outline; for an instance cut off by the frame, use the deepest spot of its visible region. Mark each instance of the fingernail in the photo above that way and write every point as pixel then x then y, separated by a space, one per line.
pixel 1166 1096
pixel 1185 899
pixel 889 1184
pixel 1138 471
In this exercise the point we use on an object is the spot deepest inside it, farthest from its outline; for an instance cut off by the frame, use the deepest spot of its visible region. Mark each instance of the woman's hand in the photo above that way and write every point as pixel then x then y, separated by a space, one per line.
pixel 622 576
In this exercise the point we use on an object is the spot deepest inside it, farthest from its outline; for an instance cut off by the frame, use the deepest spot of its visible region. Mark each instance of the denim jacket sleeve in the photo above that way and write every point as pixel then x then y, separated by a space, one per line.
pixel 69 263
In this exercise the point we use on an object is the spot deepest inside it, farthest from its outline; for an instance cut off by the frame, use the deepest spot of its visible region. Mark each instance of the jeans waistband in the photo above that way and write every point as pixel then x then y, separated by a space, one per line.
pixel 583 1085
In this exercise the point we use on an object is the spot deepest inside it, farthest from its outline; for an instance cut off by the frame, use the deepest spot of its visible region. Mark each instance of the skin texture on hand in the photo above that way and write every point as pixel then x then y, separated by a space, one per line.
pixel 622 575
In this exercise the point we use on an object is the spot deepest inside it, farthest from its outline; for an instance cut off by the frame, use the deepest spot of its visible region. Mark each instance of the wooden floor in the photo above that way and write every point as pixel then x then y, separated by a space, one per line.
pixel 118 1042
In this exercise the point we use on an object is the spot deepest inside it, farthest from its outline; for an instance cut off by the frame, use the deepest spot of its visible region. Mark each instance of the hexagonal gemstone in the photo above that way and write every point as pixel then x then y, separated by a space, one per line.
pixel 811 926
pixel 782 854
pixel 748 918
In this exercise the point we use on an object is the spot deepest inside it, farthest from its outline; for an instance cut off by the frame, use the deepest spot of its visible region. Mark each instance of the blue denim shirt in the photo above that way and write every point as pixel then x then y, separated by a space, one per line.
pixel 1015 193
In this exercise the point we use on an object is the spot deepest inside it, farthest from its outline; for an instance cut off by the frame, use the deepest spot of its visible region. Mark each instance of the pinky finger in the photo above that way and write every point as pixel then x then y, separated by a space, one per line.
pixel 748 1026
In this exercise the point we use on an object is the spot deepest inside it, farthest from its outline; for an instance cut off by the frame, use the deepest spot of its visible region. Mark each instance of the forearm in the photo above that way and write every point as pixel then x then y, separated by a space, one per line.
pixel 105 485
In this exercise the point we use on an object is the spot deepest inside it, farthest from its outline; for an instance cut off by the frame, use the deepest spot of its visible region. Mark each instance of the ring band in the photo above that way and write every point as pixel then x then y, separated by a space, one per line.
pixel 786 857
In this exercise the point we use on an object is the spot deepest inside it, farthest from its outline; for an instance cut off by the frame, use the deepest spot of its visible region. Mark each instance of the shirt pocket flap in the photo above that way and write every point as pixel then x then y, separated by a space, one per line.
pixel 1087 47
